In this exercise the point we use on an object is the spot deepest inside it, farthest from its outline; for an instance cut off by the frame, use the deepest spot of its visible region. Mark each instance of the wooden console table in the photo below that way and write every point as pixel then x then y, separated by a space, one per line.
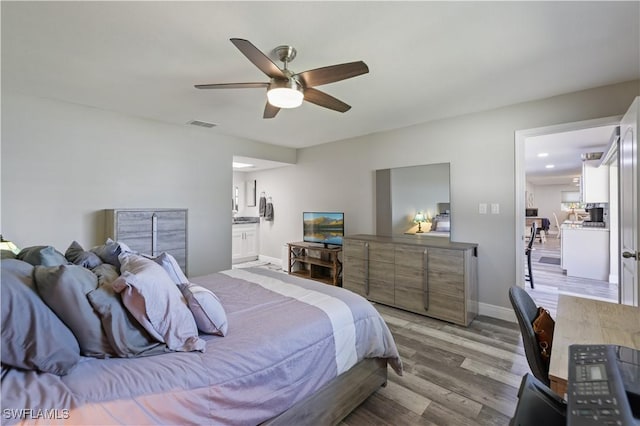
pixel 587 321
pixel 316 262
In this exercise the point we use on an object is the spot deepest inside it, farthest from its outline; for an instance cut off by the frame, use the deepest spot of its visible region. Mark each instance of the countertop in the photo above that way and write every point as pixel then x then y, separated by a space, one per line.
pixel 579 227
pixel 244 220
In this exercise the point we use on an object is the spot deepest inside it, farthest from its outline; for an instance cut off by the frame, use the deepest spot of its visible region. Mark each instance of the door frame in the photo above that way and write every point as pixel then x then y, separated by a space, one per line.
pixel 519 140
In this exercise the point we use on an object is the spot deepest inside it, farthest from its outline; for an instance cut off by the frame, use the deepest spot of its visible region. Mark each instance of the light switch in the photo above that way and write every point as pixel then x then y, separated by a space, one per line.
pixel 482 208
pixel 495 208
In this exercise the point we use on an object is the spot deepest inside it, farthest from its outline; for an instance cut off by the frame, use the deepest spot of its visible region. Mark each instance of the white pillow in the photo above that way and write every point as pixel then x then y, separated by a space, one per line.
pixel 206 309
pixel 170 265
pixel 443 225
pixel 153 299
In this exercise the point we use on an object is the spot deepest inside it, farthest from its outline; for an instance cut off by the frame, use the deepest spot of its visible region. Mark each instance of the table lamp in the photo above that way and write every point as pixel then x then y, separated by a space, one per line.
pixel 419 219
pixel 8 245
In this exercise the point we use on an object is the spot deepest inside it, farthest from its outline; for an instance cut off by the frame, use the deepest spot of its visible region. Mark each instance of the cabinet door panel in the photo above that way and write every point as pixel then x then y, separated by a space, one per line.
pixel 446 272
pixel 446 307
pixel 381 282
pixel 409 278
pixel 354 274
pixel 353 249
pixel 381 252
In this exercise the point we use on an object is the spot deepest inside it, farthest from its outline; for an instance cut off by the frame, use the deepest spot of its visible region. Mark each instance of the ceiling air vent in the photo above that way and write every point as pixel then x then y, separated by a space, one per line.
pixel 201 124
pixel 591 156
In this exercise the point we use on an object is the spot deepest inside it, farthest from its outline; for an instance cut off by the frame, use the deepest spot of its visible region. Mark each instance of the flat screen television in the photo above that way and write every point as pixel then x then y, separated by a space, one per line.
pixel 323 227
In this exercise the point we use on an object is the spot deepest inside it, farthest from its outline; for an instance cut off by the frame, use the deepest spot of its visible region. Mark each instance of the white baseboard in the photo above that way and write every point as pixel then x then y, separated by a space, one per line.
pixel 274 260
pixel 499 312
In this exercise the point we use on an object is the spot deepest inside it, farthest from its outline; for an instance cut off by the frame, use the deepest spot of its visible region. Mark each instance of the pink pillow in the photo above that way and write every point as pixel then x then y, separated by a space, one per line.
pixel 153 299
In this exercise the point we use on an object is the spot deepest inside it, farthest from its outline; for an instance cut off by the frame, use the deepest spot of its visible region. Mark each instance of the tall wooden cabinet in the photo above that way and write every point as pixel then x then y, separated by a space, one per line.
pixel 150 231
pixel 427 276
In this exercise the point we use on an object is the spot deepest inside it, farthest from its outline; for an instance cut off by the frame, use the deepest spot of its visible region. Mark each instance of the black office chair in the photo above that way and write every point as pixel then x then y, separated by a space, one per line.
pixel 526 312
pixel 528 250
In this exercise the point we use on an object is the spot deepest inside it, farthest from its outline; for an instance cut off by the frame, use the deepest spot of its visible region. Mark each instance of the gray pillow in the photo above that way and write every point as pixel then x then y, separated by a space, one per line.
pixel 171 267
pixel 78 256
pixel 126 336
pixel 42 255
pixel 155 301
pixel 64 288
pixel 109 252
pixel 7 254
pixel 106 273
pixel 206 309
pixel 33 337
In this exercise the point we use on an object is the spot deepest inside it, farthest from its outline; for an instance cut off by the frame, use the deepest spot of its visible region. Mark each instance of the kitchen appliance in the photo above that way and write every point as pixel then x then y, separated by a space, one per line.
pixel 588 224
pixel 596 214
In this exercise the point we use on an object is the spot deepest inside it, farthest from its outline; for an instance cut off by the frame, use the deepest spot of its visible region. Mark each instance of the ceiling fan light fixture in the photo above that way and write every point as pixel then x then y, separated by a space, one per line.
pixel 285 94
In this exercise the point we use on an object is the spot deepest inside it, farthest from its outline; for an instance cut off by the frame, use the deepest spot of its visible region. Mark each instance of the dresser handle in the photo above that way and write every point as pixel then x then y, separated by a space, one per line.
pixel 425 280
pixel 154 235
pixel 366 268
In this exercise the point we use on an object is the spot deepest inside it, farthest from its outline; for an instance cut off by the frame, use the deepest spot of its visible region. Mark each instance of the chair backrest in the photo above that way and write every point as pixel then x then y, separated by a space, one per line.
pixel 526 311
pixel 534 227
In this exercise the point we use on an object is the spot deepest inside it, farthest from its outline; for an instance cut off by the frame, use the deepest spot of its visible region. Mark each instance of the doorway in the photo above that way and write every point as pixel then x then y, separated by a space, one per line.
pixel 551 279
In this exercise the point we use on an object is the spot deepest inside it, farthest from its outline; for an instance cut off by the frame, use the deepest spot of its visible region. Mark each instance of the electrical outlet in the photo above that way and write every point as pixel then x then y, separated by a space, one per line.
pixel 482 208
pixel 495 208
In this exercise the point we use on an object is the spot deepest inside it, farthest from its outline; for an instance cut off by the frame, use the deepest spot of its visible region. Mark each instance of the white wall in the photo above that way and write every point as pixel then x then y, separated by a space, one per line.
pixel 548 199
pixel 340 176
pixel 62 164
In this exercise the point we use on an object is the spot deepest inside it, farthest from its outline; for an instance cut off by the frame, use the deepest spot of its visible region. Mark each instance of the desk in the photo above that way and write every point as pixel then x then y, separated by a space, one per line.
pixel 586 321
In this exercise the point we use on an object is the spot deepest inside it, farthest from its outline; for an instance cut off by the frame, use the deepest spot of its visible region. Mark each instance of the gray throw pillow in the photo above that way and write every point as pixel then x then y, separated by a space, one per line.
pixel 155 301
pixel 106 273
pixel 126 336
pixel 33 337
pixel 78 256
pixel 109 252
pixel 64 289
pixel 42 255
pixel 8 254
pixel 206 308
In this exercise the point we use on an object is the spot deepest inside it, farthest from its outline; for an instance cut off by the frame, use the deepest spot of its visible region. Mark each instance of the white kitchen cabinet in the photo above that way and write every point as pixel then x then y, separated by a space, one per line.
pixel 585 252
pixel 244 242
pixel 595 182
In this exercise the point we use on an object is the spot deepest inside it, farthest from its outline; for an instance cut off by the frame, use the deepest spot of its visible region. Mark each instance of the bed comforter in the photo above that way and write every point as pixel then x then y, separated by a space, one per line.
pixel 287 338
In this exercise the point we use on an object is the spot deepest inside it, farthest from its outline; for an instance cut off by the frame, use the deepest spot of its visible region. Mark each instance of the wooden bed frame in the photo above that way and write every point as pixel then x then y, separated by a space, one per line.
pixel 337 398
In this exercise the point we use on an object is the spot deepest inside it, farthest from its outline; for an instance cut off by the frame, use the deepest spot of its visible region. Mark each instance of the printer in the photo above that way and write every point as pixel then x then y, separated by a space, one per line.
pixel 603 389
pixel 603 386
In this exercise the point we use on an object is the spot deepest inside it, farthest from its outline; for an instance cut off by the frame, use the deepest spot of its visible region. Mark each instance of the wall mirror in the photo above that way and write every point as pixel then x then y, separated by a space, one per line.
pixel 402 192
pixel 250 192
pixel 235 199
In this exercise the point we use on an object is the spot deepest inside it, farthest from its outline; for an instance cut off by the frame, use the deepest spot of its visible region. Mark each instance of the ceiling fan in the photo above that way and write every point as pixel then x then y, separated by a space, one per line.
pixel 288 89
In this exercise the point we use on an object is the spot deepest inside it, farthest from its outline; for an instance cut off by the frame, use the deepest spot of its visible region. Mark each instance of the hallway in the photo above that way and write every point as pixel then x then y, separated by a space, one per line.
pixel 550 281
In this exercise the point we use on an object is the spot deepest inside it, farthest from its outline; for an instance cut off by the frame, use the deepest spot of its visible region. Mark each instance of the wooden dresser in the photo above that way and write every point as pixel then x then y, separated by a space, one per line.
pixel 425 275
pixel 150 231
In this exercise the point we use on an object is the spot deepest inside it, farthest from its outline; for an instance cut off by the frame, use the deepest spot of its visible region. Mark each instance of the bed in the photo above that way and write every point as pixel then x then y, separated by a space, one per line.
pixel 296 351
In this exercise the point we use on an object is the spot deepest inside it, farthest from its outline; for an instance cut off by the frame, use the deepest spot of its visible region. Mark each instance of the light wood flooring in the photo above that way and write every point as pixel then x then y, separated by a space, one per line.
pixel 464 376
pixel 550 281
pixel 452 375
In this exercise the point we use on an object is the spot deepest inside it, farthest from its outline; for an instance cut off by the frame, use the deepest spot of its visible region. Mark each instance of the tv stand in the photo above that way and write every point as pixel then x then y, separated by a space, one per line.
pixel 316 262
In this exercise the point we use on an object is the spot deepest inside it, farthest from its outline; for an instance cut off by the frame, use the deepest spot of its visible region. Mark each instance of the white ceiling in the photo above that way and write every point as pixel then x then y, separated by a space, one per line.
pixel 427 60
pixel 564 154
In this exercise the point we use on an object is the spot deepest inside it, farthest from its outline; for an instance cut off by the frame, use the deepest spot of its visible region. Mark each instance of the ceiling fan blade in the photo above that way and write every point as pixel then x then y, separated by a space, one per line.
pixel 270 111
pixel 319 98
pixel 258 58
pixel 332 73
pixel 231 86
